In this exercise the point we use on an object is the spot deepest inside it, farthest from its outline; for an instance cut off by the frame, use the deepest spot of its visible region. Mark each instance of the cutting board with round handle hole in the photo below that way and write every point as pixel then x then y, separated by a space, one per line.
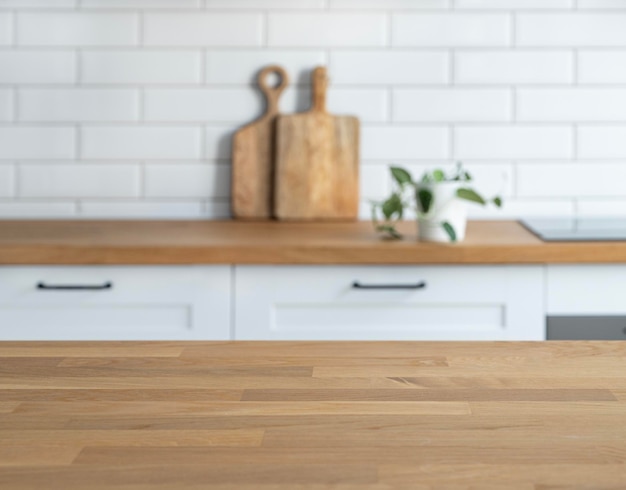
pixel 254 155
pixel 317 162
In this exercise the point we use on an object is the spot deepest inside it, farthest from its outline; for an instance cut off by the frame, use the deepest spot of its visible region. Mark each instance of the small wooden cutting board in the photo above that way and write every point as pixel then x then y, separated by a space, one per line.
pixel 317 162
pixel 254 155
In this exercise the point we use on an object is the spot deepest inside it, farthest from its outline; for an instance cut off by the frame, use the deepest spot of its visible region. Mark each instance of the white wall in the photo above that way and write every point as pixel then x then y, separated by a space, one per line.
pixel 125 108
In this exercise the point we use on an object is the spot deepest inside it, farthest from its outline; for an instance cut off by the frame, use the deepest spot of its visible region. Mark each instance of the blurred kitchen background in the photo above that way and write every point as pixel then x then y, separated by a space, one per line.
pixel 126 108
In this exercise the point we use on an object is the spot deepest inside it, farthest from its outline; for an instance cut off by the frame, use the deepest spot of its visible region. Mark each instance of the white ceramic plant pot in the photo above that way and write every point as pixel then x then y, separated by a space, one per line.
pixel 446 207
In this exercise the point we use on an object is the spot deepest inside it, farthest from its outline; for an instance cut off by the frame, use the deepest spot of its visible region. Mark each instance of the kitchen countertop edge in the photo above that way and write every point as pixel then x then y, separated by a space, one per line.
pixel 265 243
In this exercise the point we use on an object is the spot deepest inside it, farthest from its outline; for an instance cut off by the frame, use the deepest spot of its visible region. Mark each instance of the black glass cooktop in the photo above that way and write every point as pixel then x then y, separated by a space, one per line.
pixel 577 229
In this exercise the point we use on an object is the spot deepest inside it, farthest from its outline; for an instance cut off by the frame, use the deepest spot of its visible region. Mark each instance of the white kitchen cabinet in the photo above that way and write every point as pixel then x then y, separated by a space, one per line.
pixel 595 289
pixel 360 302
pixel 115 303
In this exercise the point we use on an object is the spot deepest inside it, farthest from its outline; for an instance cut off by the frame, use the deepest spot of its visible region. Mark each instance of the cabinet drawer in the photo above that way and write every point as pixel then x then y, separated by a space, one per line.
pixel 114 303
pixel 394 303
pixel 586 289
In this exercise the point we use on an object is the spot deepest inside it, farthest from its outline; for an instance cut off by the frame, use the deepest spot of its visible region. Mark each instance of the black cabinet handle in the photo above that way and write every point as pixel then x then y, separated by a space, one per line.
pixel 358 285
pixel 74 287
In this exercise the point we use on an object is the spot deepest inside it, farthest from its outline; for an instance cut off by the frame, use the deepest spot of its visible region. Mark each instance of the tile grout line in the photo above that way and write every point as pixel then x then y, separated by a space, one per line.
pixel 15 92
pixel 14 30
pixel 14 181
pixel 265 29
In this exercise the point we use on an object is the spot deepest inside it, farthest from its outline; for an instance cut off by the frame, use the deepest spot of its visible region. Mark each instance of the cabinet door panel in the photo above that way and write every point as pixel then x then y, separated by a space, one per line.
pixel 115 303
pixel 586 289
pixel 395 303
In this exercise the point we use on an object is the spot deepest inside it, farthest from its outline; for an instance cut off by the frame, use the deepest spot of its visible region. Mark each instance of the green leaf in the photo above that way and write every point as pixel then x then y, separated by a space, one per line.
pixel 467 177
pixel 401 176
pixel 393 206
pixel 497 201
pixel 449 230
pixel 439 175
pixel 425 199
pixel 390 230
pixel 470 195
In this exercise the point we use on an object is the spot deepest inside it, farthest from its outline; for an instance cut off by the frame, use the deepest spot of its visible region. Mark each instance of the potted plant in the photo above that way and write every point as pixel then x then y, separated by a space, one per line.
pixel 439 200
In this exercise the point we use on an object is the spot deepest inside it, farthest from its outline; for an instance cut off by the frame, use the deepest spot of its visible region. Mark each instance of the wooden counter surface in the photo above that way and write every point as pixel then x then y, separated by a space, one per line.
pixel 314 415
pixel 230 242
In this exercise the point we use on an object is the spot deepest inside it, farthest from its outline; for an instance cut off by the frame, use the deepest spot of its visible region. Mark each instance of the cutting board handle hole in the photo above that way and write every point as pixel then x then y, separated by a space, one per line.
pixel 273 79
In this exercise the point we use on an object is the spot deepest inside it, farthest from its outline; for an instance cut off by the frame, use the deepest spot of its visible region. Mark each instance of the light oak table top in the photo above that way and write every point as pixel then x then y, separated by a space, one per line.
pixel 312 415
pixel 271 242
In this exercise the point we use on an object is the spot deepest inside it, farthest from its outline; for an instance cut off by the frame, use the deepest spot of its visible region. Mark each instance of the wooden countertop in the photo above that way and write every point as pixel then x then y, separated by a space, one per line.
pixel 315 415
pixel 231 242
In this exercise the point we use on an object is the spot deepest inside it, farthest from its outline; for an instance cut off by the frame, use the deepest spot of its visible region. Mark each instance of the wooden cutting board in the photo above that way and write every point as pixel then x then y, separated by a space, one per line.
pixel 317 162
pixel 254 154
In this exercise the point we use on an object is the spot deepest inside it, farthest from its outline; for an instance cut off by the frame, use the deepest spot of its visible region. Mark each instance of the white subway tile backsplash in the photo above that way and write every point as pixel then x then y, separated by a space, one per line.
pixel 134 142
pixel 140 4
pixel 88 105
pixel 602 142
pixel 603 207
pixel 77 29
pixel 492 179
pixel 209 105
pixel 451 29
pixel 527 208
pixel 218 142
pixel 451 104
pixel 571 104
pixel 327 29
pixel 141 66
pixel 7 181
pixel 242 67
pixel 150 92
pixel 369 105
pixel 187 180
pixel 513 142
pixel 296 99
pixel 375 182
pixel 45 4
pixel 37 67
pixel 514 4
pixel 602 66
pixel 6 105
pixel 389 4
pixel 265 4
pixel 571 29
pixel 40 209
pixel 246 105
pixel 200 29
pixel 217 209
pixel 64 180
pixel 513 67
pixel 124 209
pixel 375 67
pixel 6 28
pixel 601 4
pixel 388 142
pixel 562 180
pixel 37 142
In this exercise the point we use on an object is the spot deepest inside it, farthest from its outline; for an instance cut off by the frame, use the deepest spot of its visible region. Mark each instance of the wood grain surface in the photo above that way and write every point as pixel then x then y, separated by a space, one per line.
pixel 254 154
pixel 256 415
pixel 317 162
pixel 269 242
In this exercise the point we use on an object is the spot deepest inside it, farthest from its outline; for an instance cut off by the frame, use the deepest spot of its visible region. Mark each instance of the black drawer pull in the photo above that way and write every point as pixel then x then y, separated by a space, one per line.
pixel 358 285
pixel 74 287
